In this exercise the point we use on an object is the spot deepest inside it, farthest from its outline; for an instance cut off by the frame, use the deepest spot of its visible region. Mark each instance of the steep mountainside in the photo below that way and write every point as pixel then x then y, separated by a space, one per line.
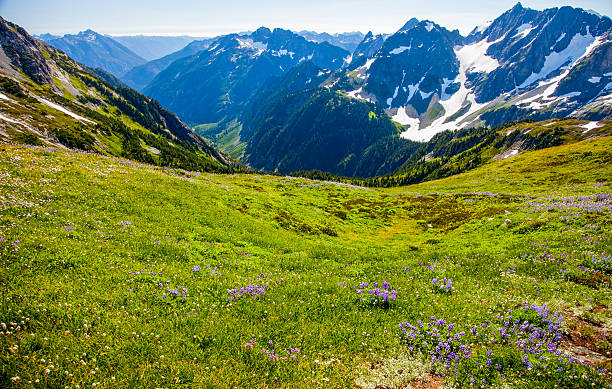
pixel 366 49
pixel 140 76
pixel 47 98
pixel 216 83
pixel 292 124
pixel 98 51
pixel 347 40
pixel 526 63
pixel 154 47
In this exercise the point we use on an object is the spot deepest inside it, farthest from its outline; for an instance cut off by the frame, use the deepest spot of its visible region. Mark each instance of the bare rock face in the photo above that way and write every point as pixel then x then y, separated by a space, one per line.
pixel 366 49
pixel 24 52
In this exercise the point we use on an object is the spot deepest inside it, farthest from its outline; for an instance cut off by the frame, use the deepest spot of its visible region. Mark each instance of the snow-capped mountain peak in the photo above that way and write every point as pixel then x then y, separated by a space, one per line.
pixel 523 63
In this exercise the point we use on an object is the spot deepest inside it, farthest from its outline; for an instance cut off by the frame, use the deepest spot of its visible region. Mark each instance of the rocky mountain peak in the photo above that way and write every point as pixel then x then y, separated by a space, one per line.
pixel 24 52
pixel 410 24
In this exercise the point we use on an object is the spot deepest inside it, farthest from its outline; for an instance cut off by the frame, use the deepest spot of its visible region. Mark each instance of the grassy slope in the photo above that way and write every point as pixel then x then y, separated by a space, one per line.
pixel 76 227
pixel 50 124
pixel 582 168
pixel 227 140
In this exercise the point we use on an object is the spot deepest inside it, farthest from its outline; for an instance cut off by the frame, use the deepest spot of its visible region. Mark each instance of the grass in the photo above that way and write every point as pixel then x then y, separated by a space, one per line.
pixel 226 138
pixel 561 172
pixel 117 274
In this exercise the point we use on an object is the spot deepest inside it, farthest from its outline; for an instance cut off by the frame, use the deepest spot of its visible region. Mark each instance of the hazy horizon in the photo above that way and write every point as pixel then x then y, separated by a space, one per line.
pixel 205 19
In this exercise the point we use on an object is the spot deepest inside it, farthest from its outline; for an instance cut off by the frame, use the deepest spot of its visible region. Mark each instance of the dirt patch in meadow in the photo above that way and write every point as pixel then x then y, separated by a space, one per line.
pixel 433 382
pixel 589 338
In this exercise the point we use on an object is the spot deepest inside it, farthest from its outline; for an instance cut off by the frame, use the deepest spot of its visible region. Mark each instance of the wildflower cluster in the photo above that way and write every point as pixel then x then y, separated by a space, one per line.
pixel 289 354
pixel 382 295
pixel 252 290
pixel 156 279
pixel 444 285
pixel 601 262
pixel 181 292
pixel 213 271
pixel 574 207
pixel 478 355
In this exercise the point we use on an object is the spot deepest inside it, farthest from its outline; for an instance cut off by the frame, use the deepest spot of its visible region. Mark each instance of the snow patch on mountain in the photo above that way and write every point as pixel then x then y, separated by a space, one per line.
pixel 425 95
pixel 590 126
pixel 412 89
pixel 472 58
pixel 560 38
pixel 359 94
pixel 362 71
pixel 281 52
pixel 483 26
pixel 390 99
pixel 475 59
pixel 354 93
pixel 8 119
pixel 400 50
pixel 402 118
pixel 347 60
pixel 579 46
pixel 64 110
pixel 524 30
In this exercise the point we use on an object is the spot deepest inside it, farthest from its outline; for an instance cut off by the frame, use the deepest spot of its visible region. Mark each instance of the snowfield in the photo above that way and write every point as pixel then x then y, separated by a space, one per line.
pixel 64 110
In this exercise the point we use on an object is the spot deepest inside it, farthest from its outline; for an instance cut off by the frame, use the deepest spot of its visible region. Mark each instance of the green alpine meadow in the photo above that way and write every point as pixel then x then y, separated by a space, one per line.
pixel 267 195
pixel 122 274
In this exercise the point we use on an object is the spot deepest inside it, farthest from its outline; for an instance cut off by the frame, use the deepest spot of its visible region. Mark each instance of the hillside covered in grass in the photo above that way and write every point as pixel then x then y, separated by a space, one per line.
pixel 121 274
pixel 47 98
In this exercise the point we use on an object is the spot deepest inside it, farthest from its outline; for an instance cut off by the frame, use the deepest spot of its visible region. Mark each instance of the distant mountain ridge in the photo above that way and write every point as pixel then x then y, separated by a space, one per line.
pixel 154 47
pixel 140 76
pixel 347 40
pixel 217 82
pixel 96 50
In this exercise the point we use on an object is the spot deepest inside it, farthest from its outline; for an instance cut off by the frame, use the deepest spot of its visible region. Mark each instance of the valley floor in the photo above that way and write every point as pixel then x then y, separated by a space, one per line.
pixel 118 274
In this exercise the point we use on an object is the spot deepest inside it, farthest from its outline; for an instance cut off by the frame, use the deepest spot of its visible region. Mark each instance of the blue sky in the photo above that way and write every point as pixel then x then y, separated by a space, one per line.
pixel 209 18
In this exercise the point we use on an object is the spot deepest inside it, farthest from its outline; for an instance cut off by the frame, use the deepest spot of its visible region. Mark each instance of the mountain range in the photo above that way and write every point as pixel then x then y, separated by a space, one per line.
pixel 216 83
pixel 525 64
pixel 347 40
pixel 285 101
